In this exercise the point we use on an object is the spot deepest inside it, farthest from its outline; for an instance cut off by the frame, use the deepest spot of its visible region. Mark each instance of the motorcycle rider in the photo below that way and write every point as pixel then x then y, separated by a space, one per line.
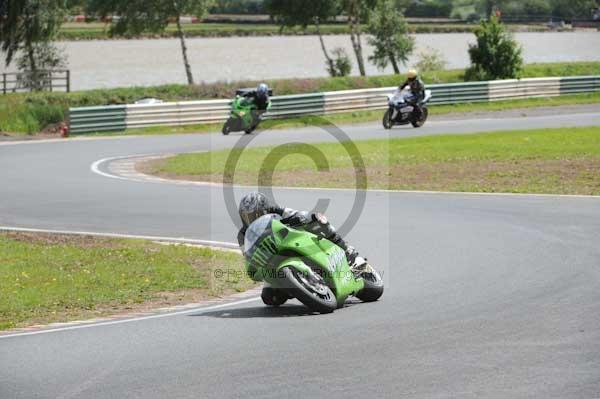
pixel 254 205
pixel 260 99
pixel 417 87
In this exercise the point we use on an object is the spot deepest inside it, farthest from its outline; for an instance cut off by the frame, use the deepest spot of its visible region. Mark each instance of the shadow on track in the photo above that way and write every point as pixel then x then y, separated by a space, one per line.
pixel 288 310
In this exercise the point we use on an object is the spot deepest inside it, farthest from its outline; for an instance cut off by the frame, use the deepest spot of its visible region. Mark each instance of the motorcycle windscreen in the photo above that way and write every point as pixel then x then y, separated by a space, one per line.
pixel 258 230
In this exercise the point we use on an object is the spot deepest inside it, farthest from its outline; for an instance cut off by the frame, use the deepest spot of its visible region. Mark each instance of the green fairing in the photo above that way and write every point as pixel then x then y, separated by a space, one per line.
pixel 241 117
pixel 295 249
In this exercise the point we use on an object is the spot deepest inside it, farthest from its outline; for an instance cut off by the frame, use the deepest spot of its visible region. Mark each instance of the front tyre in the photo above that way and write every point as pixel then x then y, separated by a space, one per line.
pixel 421 121
pixel 311 290
pixel 387 120
pixel 373 289
pixel 226 127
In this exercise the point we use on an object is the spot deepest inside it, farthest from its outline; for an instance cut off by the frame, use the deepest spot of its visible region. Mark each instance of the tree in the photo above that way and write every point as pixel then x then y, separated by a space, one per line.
pixel 341 65
pixel 138 16
pixel 574 8
pixel 27 24
pixel 496 55
pixel 37 64
pixel 290 13
pixel 390 36
pixel 357 12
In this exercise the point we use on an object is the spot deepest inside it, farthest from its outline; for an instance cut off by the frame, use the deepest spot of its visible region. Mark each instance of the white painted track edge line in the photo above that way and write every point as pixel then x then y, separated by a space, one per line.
pixel 131 320
pixel 95 168
pixel 222 244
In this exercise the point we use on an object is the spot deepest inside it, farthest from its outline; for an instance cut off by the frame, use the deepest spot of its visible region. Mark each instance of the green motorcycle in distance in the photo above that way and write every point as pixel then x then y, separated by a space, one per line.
pixel 244 115
pixel 299 264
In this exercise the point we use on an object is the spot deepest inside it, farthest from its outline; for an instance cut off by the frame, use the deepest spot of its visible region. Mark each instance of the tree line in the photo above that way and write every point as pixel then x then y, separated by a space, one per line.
pixel 465 9
pixel 29 27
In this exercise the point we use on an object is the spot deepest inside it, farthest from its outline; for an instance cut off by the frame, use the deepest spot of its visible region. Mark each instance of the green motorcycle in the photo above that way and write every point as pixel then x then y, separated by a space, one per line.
pixel 244 115
pixel 299 264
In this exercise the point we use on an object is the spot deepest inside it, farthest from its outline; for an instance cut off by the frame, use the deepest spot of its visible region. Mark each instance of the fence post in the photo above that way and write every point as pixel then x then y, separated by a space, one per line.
pixel 51 81
pixel 68 80
pixel 3 83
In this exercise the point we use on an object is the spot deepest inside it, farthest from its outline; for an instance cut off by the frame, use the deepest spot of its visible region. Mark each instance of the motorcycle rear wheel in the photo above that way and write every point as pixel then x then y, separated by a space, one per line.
pixel 421 121
pixel 315 295
pixel 250 129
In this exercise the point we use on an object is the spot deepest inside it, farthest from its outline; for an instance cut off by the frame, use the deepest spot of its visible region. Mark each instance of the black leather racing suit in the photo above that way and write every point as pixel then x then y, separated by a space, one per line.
pixel 417 87
pixel 260 102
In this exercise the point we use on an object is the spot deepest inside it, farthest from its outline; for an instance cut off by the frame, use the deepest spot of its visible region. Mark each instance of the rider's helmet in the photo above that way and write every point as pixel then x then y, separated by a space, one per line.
pixel 262 90
pixel 253 206
pixel 412 74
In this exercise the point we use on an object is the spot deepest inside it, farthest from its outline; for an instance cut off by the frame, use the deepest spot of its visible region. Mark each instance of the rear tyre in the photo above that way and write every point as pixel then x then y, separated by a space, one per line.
pixel 273 296
pixel 226 128
pixel 387 120
pixel 373 289
pixel 310 290
pixel 421 121
pixel 250 129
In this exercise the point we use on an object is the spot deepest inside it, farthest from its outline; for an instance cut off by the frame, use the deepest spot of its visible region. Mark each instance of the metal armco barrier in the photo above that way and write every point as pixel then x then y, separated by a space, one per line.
pixel 176 114
pixel 121 117
pixel 97 119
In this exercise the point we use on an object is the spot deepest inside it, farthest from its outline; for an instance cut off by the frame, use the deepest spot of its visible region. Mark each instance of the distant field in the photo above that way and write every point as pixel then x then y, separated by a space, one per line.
pixel 557 161
pixel 95 30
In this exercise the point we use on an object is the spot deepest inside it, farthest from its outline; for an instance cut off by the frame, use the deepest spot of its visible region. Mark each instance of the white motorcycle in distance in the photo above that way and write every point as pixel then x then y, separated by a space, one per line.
pixel 401 111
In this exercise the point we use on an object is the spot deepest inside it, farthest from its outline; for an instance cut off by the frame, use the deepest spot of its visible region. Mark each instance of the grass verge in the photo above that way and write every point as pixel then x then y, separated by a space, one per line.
pixel 557 161
pixel 31 113
pixel 56 278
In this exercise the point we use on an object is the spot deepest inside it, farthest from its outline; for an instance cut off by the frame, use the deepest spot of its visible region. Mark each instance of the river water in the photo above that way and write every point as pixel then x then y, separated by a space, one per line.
pixel 115 63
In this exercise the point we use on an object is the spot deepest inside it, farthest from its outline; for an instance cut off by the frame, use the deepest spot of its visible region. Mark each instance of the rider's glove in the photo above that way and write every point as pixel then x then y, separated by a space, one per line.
pixel 295 218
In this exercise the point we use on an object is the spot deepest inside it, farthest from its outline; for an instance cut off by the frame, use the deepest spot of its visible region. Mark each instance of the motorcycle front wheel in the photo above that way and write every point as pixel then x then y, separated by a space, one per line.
pixel 226 127
pixel 373 289
pixel 387 120
pixel 273 296
pixel 314 294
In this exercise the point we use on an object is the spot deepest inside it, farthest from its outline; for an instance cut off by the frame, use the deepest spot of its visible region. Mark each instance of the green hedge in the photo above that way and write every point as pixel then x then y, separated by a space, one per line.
pixel 30 113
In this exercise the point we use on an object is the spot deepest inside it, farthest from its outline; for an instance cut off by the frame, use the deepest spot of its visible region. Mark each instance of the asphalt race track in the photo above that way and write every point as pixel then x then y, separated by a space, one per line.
pixel 487 296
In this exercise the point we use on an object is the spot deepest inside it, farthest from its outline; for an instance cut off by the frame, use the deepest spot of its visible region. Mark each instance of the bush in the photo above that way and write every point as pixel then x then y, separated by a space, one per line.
pixel 573 8
pixel 430 60
pixel 429 8
pixel 496 55
pixel 342 66
pixel 473 17
pixel 238 7
pixel 527 9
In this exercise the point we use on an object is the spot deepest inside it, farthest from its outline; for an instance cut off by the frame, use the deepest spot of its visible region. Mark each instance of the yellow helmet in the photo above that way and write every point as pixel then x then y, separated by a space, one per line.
pixel 412 73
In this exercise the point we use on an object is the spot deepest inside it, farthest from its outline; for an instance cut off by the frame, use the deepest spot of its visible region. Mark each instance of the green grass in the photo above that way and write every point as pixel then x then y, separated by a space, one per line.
pixel 30 113
pixel 94 30
pixel 58 278
pixel 563 161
